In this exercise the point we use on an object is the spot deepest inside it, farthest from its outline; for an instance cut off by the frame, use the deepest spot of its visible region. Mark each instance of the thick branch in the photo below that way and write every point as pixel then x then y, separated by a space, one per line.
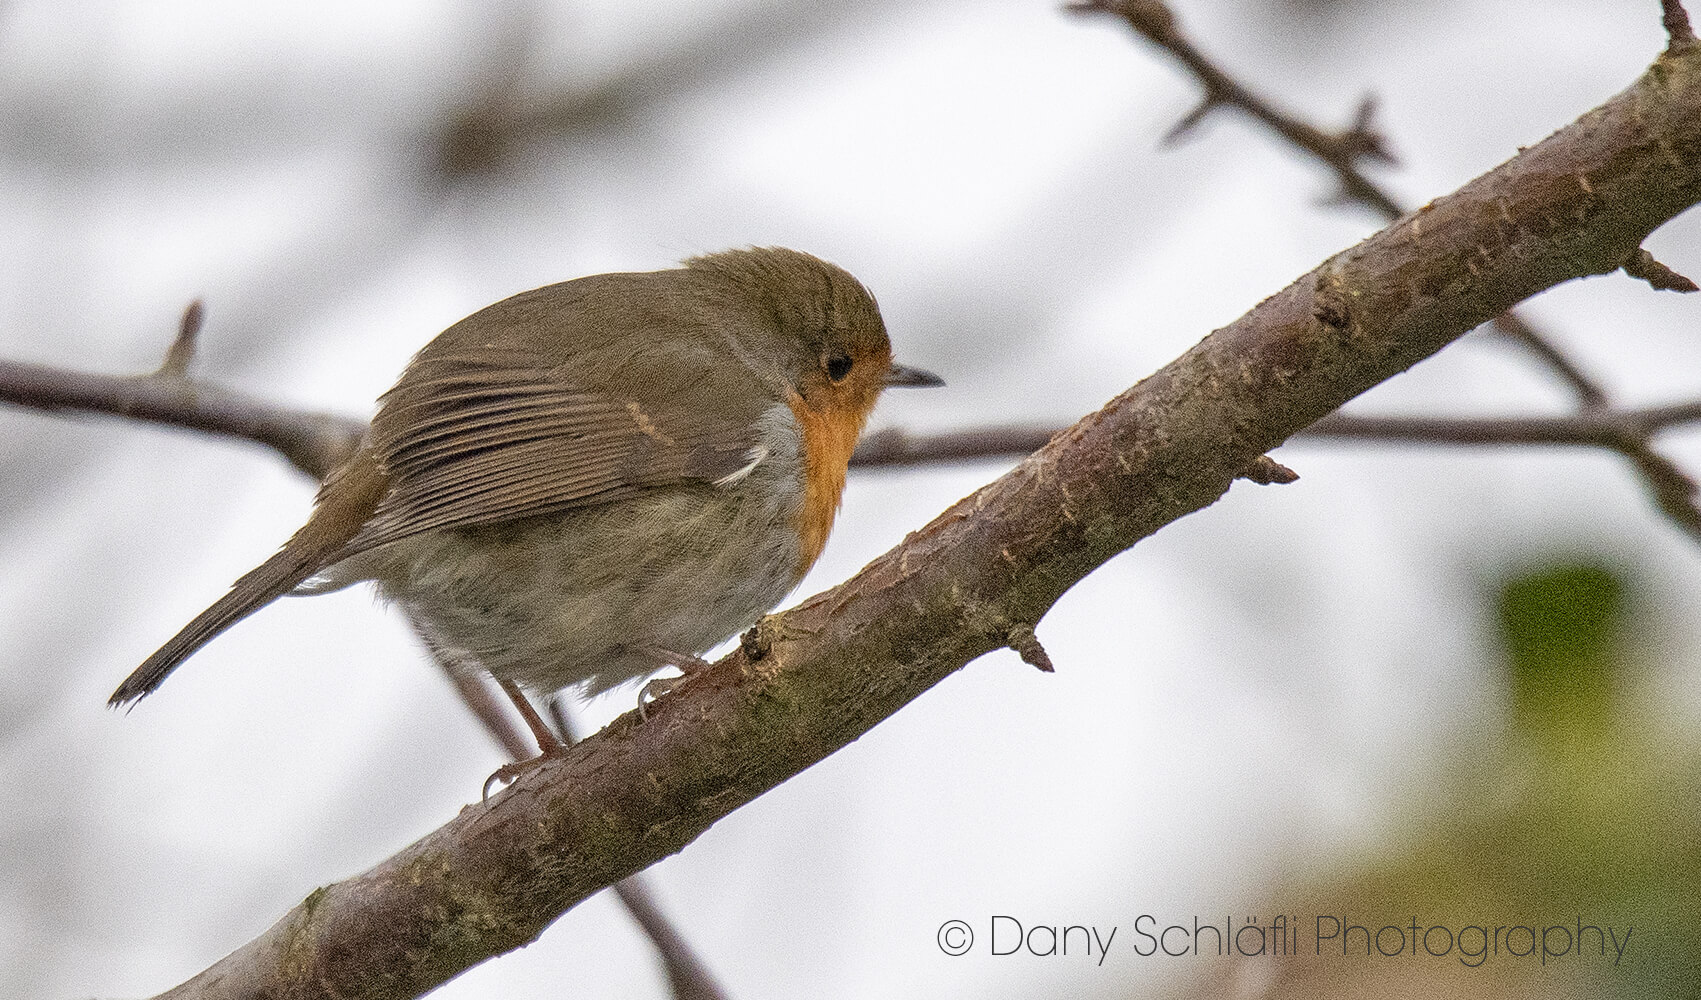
pixel 687 975
pixel 809 681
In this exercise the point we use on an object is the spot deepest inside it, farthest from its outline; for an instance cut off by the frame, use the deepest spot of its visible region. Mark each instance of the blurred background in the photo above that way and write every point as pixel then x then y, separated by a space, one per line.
pixel 1448 685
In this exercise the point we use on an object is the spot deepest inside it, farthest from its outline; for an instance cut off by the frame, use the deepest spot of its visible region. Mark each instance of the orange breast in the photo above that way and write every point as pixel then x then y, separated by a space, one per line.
pixel 829 436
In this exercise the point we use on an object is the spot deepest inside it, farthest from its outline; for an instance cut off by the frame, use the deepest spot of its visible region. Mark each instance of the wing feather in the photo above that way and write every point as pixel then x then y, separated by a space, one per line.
pixel 478 440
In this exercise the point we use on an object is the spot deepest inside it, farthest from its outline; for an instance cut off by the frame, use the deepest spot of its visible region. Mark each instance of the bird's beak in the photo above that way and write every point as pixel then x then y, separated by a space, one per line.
pixel 905 375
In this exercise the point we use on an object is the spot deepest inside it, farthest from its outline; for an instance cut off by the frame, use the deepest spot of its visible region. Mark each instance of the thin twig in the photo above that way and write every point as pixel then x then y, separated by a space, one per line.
pixel 1672 489
pixel 476 695
pixel 1339 151
pixel 1589 394
pixel 211 409
pixel 1597 429
pixel 897 447
pixel 315 443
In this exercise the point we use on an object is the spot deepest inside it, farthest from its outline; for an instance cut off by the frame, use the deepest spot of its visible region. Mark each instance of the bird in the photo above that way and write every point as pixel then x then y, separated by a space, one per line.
pixel 584 483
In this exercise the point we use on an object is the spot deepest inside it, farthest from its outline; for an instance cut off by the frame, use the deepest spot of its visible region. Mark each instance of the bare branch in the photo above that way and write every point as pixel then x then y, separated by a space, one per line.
pixel 475 694
pixel 214 410
pixel 687 976
pixel 1341 153
pixel 1595 428
pixel 493 878
pixel 1600 428
pixel 315 443
pixel 1589 393
pixel 894 447
pixel 1672 488
pixel 1626 432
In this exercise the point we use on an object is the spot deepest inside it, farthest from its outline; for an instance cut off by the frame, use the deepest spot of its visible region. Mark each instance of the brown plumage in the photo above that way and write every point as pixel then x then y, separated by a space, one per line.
pixel 574 482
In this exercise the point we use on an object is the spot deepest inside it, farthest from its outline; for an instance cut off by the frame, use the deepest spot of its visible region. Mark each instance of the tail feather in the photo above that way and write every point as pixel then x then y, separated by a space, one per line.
pixel 347 500
pixel 257 588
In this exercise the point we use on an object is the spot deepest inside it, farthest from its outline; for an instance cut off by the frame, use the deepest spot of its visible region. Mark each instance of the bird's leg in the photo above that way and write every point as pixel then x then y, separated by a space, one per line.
pixel 468 679
pixel 547 743
pixel 687 664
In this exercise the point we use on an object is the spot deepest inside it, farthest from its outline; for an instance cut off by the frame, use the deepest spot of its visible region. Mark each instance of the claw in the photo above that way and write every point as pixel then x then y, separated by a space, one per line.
pixel 652 691
pixel 686 662
pixel 507 773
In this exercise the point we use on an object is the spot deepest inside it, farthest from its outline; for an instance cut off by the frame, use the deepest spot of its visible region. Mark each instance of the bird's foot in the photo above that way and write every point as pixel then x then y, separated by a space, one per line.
pixel 547 743
pixel 688 665
pixel 506 774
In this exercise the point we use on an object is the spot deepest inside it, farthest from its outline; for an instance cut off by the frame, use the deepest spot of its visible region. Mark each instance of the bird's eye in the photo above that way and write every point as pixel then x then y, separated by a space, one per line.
pixel 838 366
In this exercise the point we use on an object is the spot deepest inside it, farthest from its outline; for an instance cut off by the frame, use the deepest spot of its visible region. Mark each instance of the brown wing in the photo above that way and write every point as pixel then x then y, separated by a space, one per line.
pixel 472 440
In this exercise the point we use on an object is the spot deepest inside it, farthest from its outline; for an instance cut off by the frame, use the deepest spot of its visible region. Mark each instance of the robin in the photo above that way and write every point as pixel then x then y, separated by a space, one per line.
pixel 592 480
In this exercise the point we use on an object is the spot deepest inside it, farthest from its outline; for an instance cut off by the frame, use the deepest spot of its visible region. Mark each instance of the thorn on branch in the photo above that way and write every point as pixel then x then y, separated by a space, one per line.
pixel 1027 645
pixel 1151 18
pixel 1266 471
pixel 1190 121
pixel 1674 491
pixel 182 350
pixel 1363 139
pixel 1643 265
pixel 1676 22
pixel 1342 197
